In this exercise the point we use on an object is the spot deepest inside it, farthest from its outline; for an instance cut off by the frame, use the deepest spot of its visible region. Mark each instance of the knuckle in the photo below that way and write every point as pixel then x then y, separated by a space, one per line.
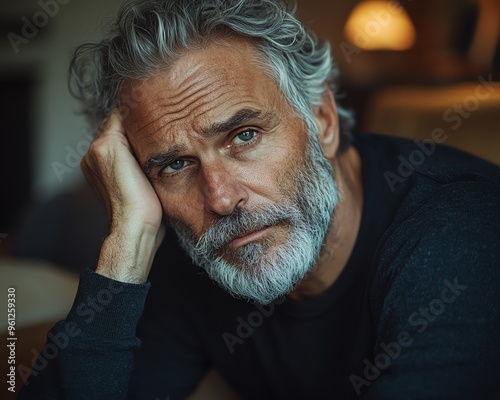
pixel 98 147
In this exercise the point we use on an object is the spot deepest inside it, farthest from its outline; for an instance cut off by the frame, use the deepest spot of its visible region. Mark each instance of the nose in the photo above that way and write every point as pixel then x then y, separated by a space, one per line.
pixel 223 191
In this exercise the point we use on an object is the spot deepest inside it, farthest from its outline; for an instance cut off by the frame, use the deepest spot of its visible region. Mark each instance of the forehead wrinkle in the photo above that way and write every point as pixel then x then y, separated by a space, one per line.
pixel 181 113
pixel 188 104
pixel 195 92
pixel 213 106
pixel 127 90
pixel 179 92
pixel 181 107
pixel 206 78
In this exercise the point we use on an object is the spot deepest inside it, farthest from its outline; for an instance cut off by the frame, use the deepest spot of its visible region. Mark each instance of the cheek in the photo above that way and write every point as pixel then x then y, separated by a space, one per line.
pixel 187 206
pixel 281 164
pixel 269 178
pixel 265 181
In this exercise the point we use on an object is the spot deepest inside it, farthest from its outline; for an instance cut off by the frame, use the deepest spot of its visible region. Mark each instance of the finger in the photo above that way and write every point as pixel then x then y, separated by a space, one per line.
pixel 112 123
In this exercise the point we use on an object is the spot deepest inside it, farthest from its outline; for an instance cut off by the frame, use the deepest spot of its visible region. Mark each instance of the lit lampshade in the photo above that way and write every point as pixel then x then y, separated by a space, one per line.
pixel 380 25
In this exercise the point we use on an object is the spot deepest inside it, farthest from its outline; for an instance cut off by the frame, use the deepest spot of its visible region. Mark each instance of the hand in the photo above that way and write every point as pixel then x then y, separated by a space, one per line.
pixel 133 208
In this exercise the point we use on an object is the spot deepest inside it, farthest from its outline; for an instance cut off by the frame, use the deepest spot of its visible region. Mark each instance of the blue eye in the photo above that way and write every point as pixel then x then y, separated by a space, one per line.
pixel 245 136
pixel 175 166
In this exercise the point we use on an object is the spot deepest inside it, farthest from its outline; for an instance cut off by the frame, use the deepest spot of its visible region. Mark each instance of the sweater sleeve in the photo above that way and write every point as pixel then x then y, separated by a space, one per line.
pixel 90 354
pixel 436 302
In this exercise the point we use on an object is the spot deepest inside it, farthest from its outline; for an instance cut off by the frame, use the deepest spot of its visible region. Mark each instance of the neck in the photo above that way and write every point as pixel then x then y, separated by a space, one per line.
pixel 343 231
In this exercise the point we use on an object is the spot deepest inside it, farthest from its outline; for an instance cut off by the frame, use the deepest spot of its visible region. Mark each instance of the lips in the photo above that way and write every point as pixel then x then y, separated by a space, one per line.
pixel 247 237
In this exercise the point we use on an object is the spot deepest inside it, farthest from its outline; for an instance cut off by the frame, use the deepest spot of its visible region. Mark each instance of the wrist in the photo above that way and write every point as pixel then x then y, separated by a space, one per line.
pixel 127 254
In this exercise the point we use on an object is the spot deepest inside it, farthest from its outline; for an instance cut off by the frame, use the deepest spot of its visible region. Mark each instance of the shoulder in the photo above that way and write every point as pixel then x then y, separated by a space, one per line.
pixel 400 161
pixel 456 213
pixel 436 283
pixel 437 272
pixel 445 205
pixel 455 231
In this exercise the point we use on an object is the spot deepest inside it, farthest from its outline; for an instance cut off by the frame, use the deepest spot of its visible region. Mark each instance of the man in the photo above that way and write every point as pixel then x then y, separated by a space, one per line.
pixel 329 284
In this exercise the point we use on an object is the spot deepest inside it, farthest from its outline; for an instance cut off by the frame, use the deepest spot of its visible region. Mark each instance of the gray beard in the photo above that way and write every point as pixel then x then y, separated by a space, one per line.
pixel 263 271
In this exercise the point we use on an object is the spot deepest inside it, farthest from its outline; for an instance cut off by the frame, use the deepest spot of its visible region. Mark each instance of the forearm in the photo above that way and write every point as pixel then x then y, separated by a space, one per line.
pixel 93 346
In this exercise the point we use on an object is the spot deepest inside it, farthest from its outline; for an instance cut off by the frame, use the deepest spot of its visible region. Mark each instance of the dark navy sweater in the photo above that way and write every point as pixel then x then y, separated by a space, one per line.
pixel 415 314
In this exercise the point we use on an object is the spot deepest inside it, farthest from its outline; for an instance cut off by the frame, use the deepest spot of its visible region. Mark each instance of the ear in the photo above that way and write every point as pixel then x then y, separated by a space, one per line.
pixel 328 124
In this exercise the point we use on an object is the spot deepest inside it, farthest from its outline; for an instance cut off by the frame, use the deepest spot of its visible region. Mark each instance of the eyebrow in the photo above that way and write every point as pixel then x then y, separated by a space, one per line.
pixel 239 118
pixel 161 159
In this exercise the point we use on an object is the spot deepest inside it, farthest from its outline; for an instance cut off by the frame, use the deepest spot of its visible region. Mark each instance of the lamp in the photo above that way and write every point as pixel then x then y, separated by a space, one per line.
pixel 380 25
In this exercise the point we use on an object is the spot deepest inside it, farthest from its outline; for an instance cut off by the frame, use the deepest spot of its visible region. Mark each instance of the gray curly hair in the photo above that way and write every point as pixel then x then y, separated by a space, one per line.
pixel 148 35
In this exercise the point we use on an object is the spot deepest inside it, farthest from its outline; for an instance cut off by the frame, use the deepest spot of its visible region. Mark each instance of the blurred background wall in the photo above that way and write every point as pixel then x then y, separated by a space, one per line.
pixel 42 122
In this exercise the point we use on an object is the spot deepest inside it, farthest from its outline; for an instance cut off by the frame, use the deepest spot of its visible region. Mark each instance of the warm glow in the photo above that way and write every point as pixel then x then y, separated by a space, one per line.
pixel 380 25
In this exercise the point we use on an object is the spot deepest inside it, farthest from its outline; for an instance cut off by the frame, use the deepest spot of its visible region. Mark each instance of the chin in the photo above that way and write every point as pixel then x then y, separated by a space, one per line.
pixel 260 273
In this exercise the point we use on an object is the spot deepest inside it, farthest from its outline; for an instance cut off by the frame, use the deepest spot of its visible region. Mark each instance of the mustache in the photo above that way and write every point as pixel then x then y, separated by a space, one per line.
pixel 243 221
